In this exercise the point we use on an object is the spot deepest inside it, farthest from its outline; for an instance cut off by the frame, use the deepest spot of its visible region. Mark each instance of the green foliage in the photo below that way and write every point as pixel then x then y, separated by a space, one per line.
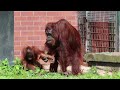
pixel 16 71
pixel 93 70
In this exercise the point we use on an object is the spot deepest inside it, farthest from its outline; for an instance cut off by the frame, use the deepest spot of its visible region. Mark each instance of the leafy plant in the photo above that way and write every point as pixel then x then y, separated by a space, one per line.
pixel 93 70
pixel 16 71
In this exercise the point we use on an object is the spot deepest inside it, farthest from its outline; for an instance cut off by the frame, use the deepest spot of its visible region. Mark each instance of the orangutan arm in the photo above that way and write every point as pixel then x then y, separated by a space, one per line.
pixel 46 57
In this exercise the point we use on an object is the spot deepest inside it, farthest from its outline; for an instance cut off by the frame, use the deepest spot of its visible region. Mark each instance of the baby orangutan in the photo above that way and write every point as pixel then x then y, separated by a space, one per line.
pixel 31 56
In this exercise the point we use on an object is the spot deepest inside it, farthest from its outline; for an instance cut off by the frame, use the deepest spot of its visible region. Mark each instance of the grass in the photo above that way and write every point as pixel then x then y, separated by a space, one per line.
pixel 16 72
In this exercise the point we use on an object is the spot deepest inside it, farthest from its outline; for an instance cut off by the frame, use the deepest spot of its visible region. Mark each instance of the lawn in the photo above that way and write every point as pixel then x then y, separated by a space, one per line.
pixel 16 72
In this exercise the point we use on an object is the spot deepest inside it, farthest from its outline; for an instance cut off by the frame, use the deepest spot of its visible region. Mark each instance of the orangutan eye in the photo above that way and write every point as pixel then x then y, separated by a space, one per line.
pixel 50 30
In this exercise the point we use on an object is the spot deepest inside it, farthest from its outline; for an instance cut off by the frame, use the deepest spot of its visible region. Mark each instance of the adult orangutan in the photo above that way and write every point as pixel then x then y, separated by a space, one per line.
pixel 64 42
pixel 31 56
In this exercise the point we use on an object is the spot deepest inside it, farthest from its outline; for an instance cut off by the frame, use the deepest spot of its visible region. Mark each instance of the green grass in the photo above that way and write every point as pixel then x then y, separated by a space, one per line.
pixel 16 72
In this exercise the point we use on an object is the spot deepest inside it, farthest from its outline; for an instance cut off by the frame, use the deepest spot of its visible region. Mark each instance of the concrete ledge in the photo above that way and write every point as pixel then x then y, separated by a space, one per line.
pixel 103 57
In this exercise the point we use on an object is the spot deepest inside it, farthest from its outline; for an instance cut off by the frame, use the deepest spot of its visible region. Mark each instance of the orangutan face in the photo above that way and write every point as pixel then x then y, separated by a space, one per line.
pixel 29 54
pixel 50 35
